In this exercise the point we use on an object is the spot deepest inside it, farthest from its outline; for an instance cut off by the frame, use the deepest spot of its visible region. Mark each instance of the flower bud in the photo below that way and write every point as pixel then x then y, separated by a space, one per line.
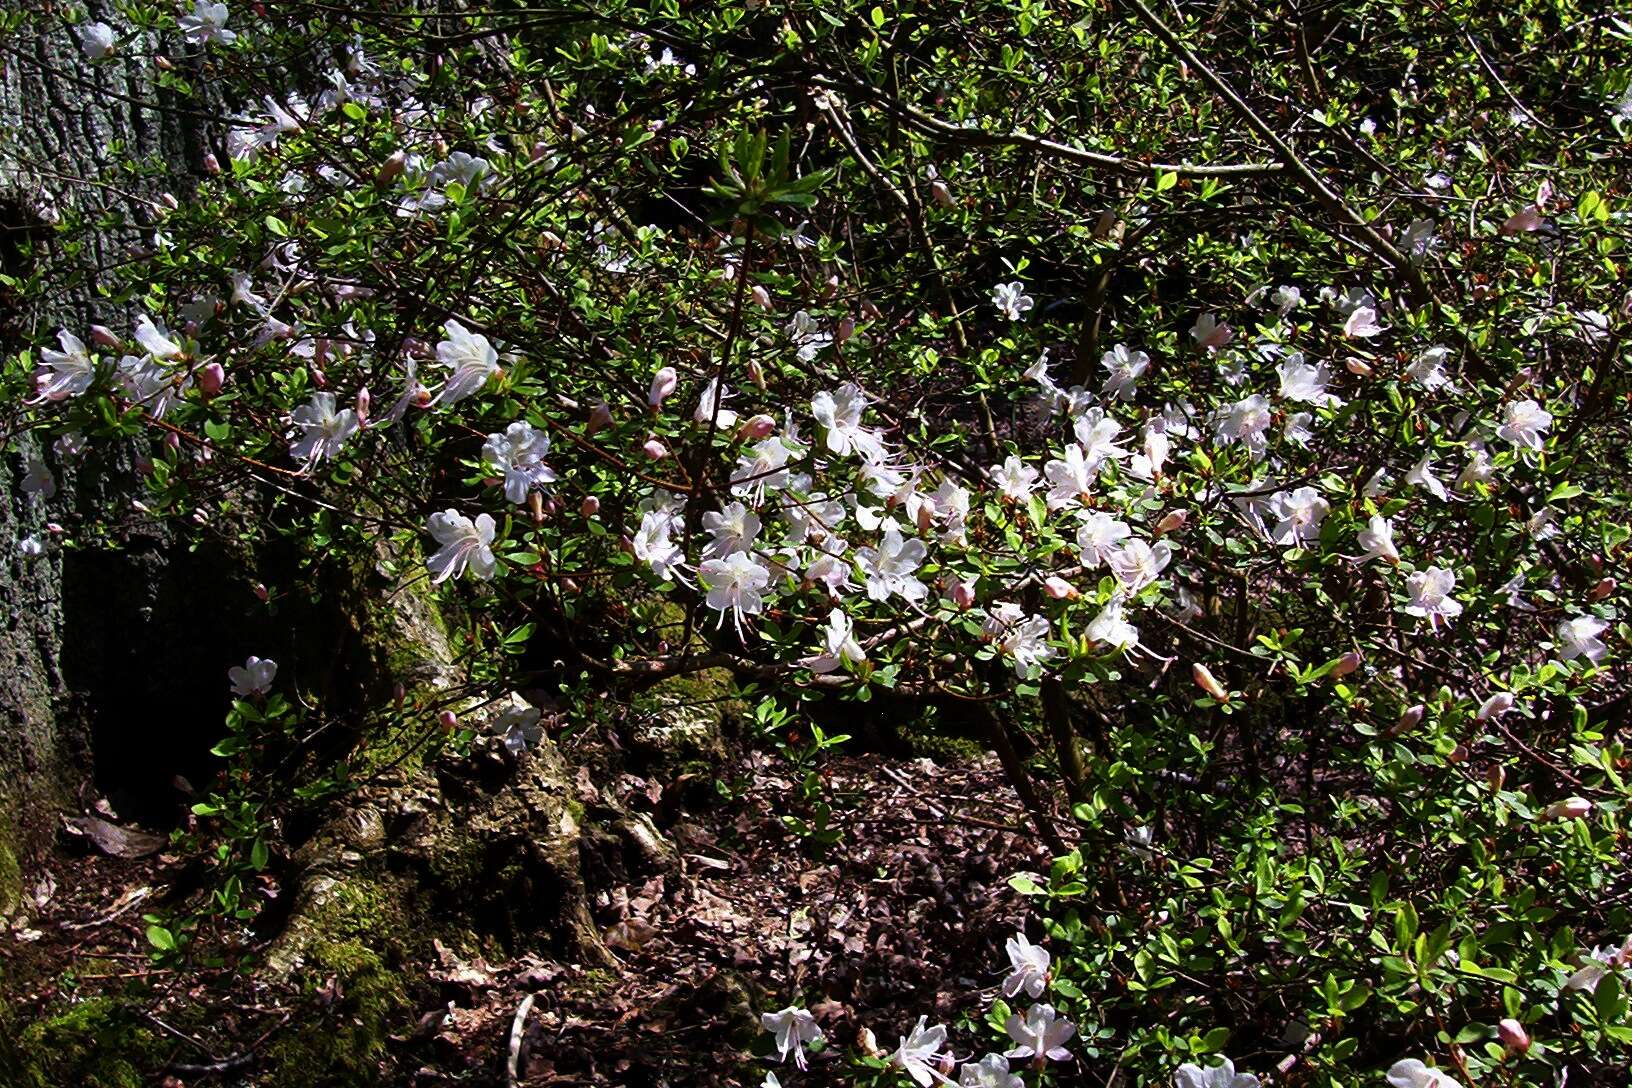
pixel 663 384
pixel 845 330
pixel 756 373
pixel 1572 808
pixel 867 1043
pixel 589 507
pixel 1513 1035
pixel 757 427
pixel 1604 588
pixel 211 377
pixel 1059 589
pixel 262 592
pixel 1173 519
pixel 1205 680
pixel 1358 366
pixel 101 334
pixel 1496 777
pixel 1459 754
pixel 1495 706
pixel 1410 718
pixel 654 449
pixel 538 150
pixel 1346 664
pixel 448 720
pixel 364 400
pixel 169 201
pixel 963 594
pixel 942 194
pixel 761 297
pixel 550 240
pixel 599 416
pixel 172 441
pixel 319 379
pixel 391 169
pixel 212 165
pixel 163 63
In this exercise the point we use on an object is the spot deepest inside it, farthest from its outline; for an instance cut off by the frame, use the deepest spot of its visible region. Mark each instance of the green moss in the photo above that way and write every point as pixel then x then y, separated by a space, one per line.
pixel 98 1043
pixel 355 940
pixel 681 719
pixel 11 875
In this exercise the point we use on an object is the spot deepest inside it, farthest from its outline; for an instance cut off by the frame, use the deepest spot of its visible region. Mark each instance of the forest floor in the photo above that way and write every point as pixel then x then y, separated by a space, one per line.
pixel 904 914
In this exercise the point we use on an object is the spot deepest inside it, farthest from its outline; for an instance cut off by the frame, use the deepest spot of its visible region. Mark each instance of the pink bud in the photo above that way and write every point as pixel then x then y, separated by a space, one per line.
pixel 1459 754
pixel 211 377
pixel 363 402
pixel 599 416
pixel 391 169
pixel 1523 221
pixel 1604 588
pixel 1572 808
pixel 448 720
pixel 1173 519
pixel 761 297
pixel 1358 366
pixel 663 384
pixel 1495 706
pixel 262 592
pixel 105 336
pixel 590 506
pixel 169 201
pixel 212 165
pixel 538 151
pixel 654 449
pixel 1346 664
pixel 756 373
pixel 1496 776
pixel 172 441
pixel 1206 681
pixel 963 594
pixel 760 426
pixel 845 330
pixel 1513 1035
pixel 1059 589
pixel 942 193
pixel 319 379
pixel 398 694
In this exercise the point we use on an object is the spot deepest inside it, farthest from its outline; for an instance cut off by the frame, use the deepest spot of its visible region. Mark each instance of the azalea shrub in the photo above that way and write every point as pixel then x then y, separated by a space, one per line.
pixel 1221 414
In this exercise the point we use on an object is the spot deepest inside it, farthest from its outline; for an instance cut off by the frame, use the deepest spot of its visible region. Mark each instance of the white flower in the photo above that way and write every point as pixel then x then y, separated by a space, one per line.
pixel 1126 367
pixel 37 478
pixel 1099 537
pixel 1428 369
pixel 1014 478
pixel 711 407
pixel 1480 469
pixel 839 643
pixel 762 468
pixel 1029 964
pixel 1040 1034
pixel 1022 637
pixel 1351 300
pixel 66 373
pixel 992 1071
pixel 1011 299
pixel 321 429
pixel 1430 595
pixel 1578 637
pixel 1523 422
pixel 889 567
pixel 253 677
pixel 807 335
pixel 654 546
pixel 1246 421
pixel 1137 564
pixel 793 1027
pixel 1377 538
pixel 149 383
pixel 918 1050
pixel 31 546
pixel 839 414
pixel 1300 513
pixel 1362 324
pixel 663 383
pixel 96 39
pixel 1070 479
pixel 470 359
pixel 1223 1075
pixel 1210 333
pixel 1417 239
pixel 734 527
pixel 1096 433
pixel 1112 629
pixel 518 454
pixel 1286 298
pixel 1302 382
pixel 734 585
pixel 207 23
pixel 465 543
pixel 1411 1073
pixel 1423 476
pixel 155 339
